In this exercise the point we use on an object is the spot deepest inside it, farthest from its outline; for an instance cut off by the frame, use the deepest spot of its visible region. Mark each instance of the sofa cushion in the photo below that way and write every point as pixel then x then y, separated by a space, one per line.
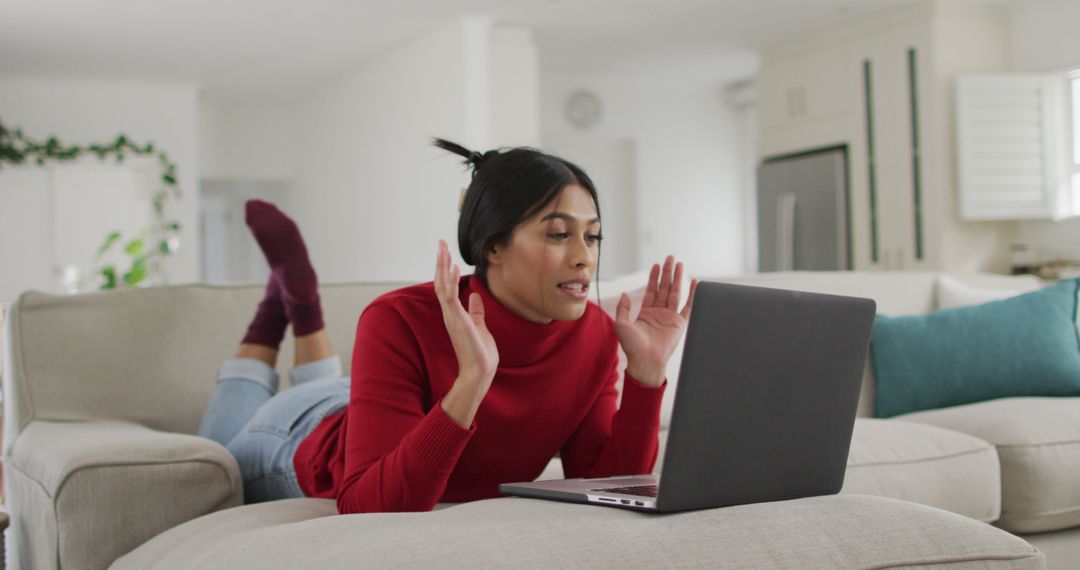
pixel 951 293
pixel 1023 346
pixel 170 549
pixel 924 464
pixel 1038 443
pixel 846 531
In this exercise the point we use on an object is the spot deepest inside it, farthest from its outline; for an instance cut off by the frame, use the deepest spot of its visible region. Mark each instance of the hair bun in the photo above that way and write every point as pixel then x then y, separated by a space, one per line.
pixel 472 157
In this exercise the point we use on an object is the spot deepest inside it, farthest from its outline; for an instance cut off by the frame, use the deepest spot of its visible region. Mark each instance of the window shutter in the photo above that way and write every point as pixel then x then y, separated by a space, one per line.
pixel 1009 130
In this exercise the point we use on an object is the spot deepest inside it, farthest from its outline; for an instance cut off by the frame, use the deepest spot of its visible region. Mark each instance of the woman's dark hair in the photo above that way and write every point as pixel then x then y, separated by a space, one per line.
pixel 508 186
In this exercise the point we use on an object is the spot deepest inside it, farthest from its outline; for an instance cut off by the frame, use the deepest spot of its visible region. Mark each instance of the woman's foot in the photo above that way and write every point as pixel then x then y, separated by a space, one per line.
pixel 281 243
pixel 268 326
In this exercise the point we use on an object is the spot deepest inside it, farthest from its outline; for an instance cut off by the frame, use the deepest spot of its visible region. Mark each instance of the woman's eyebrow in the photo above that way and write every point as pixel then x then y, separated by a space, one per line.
pixel 566 217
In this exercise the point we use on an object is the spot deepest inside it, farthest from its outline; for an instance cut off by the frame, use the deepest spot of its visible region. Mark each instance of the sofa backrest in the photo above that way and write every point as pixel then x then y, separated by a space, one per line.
pixel 897 293
pixel 151 355
pixel 145 355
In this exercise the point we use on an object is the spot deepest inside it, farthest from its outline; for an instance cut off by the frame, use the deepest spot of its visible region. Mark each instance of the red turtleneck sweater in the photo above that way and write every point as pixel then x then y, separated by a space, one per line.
pixel 395 449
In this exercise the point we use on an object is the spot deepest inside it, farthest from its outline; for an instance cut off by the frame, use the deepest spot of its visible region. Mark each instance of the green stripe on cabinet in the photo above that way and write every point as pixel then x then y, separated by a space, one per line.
pixel 871 161
pixel 916 150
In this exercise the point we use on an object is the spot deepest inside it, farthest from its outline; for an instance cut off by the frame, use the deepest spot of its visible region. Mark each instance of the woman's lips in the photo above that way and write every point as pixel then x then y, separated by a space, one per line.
pixel 575 289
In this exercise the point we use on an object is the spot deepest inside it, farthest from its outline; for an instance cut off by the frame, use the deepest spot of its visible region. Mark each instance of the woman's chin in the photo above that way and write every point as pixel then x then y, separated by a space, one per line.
pixel 570 312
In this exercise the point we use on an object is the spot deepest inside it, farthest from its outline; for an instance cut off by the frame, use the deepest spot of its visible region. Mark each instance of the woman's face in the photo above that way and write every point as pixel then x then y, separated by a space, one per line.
pixel 545 270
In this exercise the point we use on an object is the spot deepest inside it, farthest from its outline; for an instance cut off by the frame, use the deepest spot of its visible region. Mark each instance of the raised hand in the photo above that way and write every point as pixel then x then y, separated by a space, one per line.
pixel 650 340
pixel 477 355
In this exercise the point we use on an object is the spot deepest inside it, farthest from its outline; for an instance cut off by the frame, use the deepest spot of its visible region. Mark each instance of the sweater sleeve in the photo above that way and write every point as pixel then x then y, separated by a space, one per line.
pixel 610 442
pixel 398 457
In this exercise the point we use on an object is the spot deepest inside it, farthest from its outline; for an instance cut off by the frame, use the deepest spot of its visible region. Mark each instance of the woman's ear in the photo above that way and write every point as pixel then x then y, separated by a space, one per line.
pixel 494 254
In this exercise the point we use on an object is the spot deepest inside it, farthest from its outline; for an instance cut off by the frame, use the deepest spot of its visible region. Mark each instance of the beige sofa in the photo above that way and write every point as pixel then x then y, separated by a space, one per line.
pixel 102 393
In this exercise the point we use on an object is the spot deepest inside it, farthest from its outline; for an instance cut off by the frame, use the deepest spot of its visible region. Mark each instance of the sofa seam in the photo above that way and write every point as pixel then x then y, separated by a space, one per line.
pixel 63 482
pixel 1062 511
pixel 1035 553
pixel 1047 444
pixel 926 460
pixel 16 467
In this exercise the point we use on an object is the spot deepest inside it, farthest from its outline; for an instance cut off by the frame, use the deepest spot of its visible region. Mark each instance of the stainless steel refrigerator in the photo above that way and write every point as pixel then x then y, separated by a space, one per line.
pixel 802 209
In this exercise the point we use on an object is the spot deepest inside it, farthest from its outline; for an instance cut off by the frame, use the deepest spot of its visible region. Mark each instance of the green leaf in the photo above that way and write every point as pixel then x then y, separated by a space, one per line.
pixel 109 273
pixel 134 247
pixel 109 240
pixel 163 246
pixel 137 273
pixel 169 179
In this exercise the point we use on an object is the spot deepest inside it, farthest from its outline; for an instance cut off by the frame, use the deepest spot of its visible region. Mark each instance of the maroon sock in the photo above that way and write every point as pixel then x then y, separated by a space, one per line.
pixel 268 326
pixel 283 246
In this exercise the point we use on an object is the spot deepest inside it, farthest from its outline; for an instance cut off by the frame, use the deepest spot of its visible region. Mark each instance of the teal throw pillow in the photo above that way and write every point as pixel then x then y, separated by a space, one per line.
pixel 1022 346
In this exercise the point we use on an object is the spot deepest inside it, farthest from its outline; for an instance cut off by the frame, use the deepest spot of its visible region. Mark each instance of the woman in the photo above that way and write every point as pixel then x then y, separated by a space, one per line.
pixel 459 384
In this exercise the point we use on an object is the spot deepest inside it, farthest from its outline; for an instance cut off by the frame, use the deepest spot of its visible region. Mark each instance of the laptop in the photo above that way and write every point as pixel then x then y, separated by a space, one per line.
pixel 764 406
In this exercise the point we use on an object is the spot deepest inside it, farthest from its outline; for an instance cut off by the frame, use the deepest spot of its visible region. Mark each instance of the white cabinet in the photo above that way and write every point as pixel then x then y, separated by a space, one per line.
pixel 805 99
pixel 886 159
pixel 804 89
pixel 883 87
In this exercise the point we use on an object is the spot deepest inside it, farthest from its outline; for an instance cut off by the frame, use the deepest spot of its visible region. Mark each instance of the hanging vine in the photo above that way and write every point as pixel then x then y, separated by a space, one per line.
pixel 145 250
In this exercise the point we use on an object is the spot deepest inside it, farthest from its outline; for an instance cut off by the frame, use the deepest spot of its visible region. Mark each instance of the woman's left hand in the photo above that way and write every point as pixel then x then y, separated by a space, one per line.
pixel 650 340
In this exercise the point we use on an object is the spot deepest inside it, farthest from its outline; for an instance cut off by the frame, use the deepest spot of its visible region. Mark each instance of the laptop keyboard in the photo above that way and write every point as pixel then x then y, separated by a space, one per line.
pixel 639 490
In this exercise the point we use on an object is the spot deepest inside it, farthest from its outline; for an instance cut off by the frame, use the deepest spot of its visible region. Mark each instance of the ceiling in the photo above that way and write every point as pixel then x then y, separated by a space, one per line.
pixel 282 50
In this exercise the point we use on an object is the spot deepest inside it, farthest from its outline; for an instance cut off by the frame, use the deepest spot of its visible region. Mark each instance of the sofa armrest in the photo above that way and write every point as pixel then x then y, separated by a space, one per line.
pixel 82 494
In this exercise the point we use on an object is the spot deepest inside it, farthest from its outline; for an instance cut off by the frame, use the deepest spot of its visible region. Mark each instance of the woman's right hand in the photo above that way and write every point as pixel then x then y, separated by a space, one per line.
pixel 477 355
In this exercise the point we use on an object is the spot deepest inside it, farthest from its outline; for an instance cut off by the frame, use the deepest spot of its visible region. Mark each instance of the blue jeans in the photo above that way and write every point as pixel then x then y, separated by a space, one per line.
pixel 263 428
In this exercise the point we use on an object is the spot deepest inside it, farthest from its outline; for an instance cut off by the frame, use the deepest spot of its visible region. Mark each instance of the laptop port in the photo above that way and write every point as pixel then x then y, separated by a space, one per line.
pixel 626 501
pixel 608 500
pixel 639 503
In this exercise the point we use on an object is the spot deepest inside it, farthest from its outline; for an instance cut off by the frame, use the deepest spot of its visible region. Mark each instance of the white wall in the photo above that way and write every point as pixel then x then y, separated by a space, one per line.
pixel 371 194
pixel 514 81
pixel 686 179
pixel 1044 38
pixel 1043 34
pixel 246 151
pixel 87 111
pixel 246 141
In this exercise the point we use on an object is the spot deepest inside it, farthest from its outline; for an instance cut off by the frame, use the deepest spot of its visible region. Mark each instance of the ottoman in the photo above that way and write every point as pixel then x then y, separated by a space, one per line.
pixel 839 531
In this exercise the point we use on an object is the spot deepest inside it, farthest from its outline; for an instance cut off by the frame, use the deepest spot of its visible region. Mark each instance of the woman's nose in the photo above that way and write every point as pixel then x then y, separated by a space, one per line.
pixel 581 254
